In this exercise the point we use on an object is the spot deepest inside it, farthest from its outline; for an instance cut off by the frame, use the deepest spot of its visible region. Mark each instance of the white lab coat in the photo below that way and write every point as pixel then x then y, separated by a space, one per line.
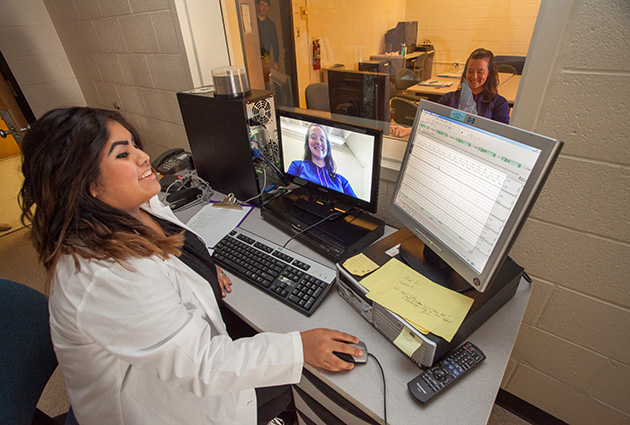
pixel 149 346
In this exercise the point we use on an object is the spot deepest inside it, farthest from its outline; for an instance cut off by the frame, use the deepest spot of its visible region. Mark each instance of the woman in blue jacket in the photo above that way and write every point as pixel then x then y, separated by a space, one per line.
pixel 477 94
pixel 318 165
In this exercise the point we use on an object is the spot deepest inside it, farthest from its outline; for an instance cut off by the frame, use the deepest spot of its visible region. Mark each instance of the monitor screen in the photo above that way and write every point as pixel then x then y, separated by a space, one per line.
pixel 335 159
pixel 466 186
pixel 359 94
pixel 411 33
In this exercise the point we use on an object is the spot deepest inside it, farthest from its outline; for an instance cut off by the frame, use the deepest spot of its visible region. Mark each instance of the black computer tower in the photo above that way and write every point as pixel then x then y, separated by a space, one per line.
pixel 222 132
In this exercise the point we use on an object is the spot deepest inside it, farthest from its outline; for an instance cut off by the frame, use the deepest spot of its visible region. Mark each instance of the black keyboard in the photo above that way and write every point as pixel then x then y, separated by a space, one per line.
pixel 294 279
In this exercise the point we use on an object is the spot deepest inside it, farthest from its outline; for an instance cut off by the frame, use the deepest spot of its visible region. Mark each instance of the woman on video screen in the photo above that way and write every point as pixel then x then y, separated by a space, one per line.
pixel 318 165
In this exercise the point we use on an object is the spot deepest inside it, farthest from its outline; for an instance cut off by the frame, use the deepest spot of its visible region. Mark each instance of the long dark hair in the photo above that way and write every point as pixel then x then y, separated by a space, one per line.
pixel 490 87
pixel 330 163
pixel 61 161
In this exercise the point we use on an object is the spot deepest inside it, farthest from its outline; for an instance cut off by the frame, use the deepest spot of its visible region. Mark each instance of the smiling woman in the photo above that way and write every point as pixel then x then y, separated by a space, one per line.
pixel 318 165
pixel 478 91
pixel 135 295
pixel 126 180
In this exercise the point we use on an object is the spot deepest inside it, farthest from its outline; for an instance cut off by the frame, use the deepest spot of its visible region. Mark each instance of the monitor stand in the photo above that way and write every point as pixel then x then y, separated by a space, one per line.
pixel 422 259
pixel 338 237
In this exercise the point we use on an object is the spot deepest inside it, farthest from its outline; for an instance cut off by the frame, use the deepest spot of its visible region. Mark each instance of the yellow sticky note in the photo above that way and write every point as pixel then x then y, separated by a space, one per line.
pixel 360 265
pixel 407 342
pixel 409 294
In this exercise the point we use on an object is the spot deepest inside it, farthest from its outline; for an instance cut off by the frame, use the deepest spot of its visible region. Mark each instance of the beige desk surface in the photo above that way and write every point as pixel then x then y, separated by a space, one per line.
pixel 469 402
pixel 507 88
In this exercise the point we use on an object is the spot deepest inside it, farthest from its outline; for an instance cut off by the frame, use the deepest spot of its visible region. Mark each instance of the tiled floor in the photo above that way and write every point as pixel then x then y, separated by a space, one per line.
pixel 18 262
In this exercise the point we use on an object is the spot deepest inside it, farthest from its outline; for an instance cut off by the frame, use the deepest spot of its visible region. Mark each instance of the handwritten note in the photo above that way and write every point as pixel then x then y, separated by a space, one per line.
pixel 409 294
pixel 360 265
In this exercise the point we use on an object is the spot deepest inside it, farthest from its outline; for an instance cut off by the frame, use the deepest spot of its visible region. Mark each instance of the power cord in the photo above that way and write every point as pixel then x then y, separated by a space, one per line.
pixel 384 387
pixel 264 186
pixel 196 182
pixel 332 215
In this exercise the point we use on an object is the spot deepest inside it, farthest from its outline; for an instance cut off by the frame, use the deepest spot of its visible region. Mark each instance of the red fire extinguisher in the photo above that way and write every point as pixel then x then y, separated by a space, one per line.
pixel 317 53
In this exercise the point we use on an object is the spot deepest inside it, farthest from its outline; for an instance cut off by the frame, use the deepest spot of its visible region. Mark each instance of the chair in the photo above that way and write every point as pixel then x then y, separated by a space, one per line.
pixel 27 358
pixel 518 62
pixel 317 97
pixel 508 69
pixel 418 67
pixel 403 111
pixel 404 79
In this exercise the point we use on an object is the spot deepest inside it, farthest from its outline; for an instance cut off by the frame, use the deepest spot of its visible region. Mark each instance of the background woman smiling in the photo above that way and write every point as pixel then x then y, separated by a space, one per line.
pixel 480 78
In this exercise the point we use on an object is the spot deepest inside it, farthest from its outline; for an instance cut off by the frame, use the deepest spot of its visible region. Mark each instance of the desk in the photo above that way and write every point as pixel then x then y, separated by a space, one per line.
pixel 469 401
pixel 508 87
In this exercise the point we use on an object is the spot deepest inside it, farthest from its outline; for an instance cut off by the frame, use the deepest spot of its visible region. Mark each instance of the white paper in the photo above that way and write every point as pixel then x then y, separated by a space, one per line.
pixel 213 223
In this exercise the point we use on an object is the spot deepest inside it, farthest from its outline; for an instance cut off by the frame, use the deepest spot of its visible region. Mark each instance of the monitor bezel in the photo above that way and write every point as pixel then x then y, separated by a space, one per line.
pixel 550 149
pixel 341 198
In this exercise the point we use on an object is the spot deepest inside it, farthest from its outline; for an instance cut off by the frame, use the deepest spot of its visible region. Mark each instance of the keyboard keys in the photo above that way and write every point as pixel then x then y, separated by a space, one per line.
pixel 274 269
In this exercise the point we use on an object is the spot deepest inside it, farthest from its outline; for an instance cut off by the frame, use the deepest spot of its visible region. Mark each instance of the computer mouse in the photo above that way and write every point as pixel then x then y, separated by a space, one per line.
pixel 353 359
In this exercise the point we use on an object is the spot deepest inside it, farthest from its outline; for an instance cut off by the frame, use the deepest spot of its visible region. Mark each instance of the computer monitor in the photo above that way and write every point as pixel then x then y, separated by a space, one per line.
pixel 405 32
pixel 465 188
pixel 359 94
pixel 351 179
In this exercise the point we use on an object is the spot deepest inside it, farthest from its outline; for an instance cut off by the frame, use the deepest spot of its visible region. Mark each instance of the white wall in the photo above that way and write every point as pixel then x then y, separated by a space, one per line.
pixel 572 355
pixel 37 59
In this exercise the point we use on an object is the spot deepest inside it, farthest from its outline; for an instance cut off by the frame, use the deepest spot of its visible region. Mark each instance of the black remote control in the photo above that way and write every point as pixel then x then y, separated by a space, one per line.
pixel 430 382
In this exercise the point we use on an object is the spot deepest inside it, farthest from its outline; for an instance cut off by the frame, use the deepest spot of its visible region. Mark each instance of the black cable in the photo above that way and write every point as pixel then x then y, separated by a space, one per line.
pixel 384 387
pixel 525 275
pixel 332 215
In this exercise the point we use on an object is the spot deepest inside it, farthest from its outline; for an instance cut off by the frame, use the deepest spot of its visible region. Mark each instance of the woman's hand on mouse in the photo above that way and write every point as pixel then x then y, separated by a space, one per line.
pixel 319 344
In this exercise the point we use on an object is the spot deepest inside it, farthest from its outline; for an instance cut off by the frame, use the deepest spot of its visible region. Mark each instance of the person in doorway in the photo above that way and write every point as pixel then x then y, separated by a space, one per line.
pixel 477 93
pixel 318 165
pixel 269 50
pixel 134 293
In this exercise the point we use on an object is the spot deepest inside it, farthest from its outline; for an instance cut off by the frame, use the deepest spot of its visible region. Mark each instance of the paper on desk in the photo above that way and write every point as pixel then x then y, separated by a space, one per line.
pixel 212 224
pixel 360 265
pixel 409 294
pixel 435 83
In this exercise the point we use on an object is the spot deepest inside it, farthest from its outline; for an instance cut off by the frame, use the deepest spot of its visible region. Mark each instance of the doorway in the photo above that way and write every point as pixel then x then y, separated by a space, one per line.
pixel 269 46
pixel 15 117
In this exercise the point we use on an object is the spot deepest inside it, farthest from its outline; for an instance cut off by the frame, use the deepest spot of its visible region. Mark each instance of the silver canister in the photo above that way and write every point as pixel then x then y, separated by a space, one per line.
pixel 230 81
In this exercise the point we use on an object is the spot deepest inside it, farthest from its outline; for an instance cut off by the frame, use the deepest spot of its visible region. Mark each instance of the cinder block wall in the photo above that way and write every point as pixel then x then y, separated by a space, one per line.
pixel 33 50
pixel 572 355
pixel 128 55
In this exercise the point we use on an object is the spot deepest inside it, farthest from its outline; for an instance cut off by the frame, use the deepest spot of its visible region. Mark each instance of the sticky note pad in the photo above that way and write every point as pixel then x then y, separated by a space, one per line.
pixel 407 342
pixel 360 265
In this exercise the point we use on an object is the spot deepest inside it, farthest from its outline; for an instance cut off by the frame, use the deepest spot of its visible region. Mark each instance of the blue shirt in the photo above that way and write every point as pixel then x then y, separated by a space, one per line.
pixel 320 175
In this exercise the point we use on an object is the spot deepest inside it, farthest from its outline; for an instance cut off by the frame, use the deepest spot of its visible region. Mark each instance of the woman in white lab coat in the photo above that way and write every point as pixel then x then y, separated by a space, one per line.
pixel 134 295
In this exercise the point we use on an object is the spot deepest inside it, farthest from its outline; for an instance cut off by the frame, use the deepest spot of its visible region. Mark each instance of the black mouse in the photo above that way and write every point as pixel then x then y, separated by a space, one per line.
pixel 353 359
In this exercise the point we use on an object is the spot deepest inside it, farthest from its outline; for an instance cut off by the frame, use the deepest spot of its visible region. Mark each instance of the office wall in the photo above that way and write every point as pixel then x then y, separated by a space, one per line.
pixel 349 32
pixel 34 52
pixel 128 55
pixel 352 30
pixel 571 357
pixel 458 27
